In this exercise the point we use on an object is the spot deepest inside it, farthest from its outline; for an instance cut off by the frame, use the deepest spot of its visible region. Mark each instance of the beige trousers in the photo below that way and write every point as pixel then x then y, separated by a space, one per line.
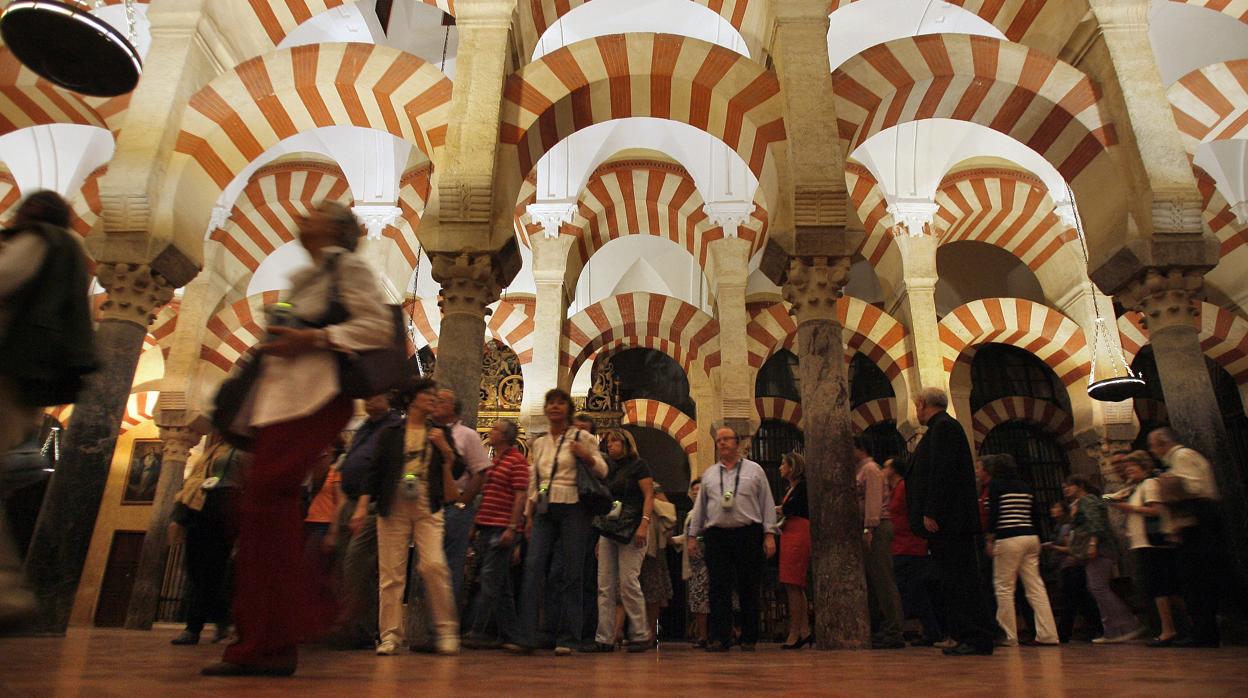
pixel 1020 557
pixel 411 523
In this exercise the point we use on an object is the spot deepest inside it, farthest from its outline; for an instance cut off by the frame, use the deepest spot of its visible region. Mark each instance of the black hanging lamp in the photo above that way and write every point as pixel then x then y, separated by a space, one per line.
pixel 1123 383
pixel 64 43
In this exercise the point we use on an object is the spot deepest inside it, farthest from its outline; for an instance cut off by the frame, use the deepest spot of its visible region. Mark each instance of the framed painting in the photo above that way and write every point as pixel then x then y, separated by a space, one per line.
pixel 144 472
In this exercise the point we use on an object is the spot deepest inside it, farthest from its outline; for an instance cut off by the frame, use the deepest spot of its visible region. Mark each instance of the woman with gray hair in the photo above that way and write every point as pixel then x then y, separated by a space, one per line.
pixel 295 410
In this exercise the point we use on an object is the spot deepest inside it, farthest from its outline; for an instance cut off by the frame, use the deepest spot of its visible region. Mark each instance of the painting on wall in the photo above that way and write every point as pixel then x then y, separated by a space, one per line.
pixel 144 472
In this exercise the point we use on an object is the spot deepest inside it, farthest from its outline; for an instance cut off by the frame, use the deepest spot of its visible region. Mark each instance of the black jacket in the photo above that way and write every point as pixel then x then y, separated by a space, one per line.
pixel 382 483
pixel 941 483
pixel 49 346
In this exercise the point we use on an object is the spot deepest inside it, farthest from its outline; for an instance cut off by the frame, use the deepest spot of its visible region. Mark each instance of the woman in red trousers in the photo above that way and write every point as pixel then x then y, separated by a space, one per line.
pixel 296 411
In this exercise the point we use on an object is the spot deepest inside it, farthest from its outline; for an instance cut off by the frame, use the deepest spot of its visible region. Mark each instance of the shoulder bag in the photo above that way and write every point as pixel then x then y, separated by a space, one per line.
pixel 370 372
pixel 231 397
pixel 591 491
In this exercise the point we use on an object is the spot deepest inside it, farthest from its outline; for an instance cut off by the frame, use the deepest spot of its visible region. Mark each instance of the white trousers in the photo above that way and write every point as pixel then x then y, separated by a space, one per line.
pixel 411 523
pixel 1020 557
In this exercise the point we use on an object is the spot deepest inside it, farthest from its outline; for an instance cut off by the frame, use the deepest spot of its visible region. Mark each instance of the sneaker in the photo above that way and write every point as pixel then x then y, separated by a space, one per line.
pixel 562 651
pixel 387 648
pixel 448 645
pixel 947 643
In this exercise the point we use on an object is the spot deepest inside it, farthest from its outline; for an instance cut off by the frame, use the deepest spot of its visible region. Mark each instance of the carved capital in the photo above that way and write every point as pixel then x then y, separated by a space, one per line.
pixel 178 442
pixel 914 218
pixel 135 292
pixel 552 215
pixel 1166 296
pixel 814 285
pixel 376 217
pixel 729 215
pixel 470 282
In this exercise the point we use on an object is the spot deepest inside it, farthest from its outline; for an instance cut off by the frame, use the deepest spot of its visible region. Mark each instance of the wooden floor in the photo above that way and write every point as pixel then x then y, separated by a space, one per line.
pixel 141 664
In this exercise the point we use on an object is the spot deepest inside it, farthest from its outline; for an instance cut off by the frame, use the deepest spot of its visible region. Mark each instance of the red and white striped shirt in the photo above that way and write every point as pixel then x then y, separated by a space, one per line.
pixel 509 475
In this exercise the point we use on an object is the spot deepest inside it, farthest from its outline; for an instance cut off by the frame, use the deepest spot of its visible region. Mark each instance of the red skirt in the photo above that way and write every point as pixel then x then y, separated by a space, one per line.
pixel 795 551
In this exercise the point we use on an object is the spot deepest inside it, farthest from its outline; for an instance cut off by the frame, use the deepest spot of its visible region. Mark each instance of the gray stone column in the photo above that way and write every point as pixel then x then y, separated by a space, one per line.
pixel 67 520
pixel 1169 298
pixel 470 282
pixel 148 579
pixel 840 593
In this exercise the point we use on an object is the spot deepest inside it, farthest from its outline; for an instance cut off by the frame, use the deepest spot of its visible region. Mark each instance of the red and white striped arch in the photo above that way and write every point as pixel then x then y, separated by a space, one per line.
pixel 534 17
pixel 1051 419
pixel 510 322
pixel 666 324
pixel 779 409
pixel 872 207
pixel 10 197
pixel 1032 97
pixel 1211 104
pixel 1015 18
pixel 140 407
pixel 648 197
pixel 1223 338
pixel 279 18
pixel 1233 8
pixel 872 331
pixel 413 196
pixel 264 216
pixel 1218 215
pixel 85 206
pixel 242 113
pixel 1052 337
pixel 626 75
pixel 1006 208
pixel 235 329
pixel 28 100
pixel 665 418
pixel 873 412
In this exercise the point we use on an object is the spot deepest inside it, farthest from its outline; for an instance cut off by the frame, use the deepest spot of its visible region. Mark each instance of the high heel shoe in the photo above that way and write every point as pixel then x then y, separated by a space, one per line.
pixel 799 644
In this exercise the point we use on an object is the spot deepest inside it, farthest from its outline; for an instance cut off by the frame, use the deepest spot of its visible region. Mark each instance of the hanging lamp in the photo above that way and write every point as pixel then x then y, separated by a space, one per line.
pixel 1123 383
pixel 64 43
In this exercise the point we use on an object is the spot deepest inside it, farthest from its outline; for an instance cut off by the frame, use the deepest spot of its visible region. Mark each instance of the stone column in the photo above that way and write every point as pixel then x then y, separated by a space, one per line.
pixel 1169 298
pixel 917 302
pixel 729 262
pixel 840 595
pixel 67 520
pixel 550 308
pixel 470 282
pixel 150 576
pixel 703 395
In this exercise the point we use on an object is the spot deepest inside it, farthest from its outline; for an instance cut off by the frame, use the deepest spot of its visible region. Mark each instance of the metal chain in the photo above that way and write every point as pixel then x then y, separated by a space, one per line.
pixel 132 24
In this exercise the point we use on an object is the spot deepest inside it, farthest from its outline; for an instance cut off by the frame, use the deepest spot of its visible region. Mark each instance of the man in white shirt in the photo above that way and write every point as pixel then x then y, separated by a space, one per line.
pixel 459 514
pixel 735 518
pixel 1191 492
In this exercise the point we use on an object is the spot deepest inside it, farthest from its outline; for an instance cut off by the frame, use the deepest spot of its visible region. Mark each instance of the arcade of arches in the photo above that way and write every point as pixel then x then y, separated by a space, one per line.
pixel 786 216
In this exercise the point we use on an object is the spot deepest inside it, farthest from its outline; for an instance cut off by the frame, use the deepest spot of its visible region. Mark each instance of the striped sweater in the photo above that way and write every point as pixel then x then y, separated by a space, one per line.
pixel 1012 509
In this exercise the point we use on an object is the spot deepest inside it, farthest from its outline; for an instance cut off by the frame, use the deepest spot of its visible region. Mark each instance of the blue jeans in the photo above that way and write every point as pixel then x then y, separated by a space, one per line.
pixel 560 533
pixel 495 597
pixel 457 523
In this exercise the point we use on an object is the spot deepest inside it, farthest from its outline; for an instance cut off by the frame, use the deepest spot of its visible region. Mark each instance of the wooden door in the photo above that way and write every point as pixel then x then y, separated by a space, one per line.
pixel 123 563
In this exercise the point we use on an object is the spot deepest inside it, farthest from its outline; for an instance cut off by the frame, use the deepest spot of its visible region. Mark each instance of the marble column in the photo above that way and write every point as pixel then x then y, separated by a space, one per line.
pixel 67 520
pixel 840 593
pixel 550 307
pixel 1169 298
pixel 150 576
pixel 917 305
pixel 470 283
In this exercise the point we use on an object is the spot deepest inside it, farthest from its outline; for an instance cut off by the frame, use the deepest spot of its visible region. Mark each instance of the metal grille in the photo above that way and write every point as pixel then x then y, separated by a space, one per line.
pixel 1000 370
pixel 172 605
pixel 1041 460
pixel 774 439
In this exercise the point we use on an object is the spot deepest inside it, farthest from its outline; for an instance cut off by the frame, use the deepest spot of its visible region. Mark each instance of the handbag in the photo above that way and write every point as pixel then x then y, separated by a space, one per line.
pixel 370 372
pixel 231 397
pixel 620 529
pixel 591 491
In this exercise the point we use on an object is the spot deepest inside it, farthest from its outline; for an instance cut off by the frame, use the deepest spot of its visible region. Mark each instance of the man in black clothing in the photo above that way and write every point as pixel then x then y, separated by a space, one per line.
pixel 943 508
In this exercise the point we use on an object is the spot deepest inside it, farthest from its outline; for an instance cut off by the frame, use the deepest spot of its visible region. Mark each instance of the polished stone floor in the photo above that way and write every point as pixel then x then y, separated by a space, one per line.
pixel 140 664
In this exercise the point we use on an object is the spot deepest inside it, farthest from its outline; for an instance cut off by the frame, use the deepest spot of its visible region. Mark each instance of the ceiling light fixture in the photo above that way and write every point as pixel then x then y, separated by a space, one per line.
pixel 72 48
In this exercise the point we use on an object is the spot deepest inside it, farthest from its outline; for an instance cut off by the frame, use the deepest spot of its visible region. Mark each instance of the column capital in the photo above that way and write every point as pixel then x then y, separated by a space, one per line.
pixel 814 285
pixel 178 442
pixel 914 217
pixel 729 215
pixel 1166 296
pixel 470 282
pixel 135 292
pixel 376 217
pixel 219 217
pixel 1240 209
pixel 551 215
